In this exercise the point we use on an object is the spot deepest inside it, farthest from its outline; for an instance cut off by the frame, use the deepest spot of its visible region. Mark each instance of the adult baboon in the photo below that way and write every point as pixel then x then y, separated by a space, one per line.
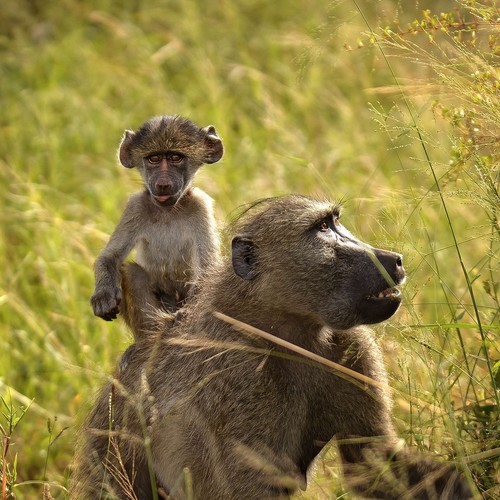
pixel 205 411
pixel 171 223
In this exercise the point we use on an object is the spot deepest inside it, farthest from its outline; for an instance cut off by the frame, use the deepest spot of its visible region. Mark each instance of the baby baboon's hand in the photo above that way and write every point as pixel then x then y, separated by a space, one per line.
pixel 105 302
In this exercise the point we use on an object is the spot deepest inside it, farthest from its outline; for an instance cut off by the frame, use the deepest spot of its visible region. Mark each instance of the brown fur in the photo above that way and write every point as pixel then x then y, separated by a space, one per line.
pixel 205 411
pixel 170 223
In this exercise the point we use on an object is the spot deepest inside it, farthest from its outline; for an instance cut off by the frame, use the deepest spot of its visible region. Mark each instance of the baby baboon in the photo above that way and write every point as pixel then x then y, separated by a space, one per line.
pixel 205 411
pixel 170 222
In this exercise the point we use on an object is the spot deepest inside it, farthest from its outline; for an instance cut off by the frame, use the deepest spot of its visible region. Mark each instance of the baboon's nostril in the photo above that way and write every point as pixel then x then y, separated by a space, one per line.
pixel 163 187
pixel 399 261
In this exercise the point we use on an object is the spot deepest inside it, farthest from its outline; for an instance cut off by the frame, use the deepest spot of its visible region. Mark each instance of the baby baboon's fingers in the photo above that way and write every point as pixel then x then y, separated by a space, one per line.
pixel 105 304
pixel 111 315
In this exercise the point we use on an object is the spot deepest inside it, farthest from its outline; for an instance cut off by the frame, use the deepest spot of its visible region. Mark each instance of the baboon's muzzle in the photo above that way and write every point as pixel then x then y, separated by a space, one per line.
pixel 382 297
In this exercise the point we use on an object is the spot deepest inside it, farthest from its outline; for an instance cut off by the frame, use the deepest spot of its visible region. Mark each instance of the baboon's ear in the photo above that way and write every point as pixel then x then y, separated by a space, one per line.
pixel 213 145
pixel 244 255
pixel 125 151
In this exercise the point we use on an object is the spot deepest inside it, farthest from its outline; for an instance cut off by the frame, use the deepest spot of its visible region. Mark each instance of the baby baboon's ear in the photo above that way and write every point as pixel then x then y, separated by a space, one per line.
pixel 244 256
pixel 125 151
pixel 213 145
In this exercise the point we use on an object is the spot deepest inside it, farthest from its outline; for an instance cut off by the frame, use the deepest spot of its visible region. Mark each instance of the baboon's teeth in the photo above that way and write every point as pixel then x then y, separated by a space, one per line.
pixel 388 292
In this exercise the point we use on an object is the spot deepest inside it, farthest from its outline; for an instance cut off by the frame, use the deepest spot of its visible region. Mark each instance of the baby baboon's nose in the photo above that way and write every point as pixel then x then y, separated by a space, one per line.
pixel 163 187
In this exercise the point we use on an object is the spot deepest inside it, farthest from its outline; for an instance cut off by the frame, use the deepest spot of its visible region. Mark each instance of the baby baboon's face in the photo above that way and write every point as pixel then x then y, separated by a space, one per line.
pixel 302 260
pixel 168 150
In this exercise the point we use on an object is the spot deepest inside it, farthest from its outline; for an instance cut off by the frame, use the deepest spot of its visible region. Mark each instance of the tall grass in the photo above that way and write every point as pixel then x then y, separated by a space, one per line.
pixel 463 60
pixel 389 108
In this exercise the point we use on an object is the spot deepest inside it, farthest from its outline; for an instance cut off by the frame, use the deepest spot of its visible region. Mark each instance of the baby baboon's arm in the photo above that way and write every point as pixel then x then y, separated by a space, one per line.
pixel 107 293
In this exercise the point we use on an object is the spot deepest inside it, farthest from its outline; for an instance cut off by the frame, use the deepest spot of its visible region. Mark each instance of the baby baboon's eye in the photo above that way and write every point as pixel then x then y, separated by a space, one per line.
pixel 154 159
pixel 175 158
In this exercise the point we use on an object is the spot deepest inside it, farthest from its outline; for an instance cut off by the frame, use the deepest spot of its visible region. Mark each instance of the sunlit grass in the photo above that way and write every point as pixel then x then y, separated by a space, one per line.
pixel 297 113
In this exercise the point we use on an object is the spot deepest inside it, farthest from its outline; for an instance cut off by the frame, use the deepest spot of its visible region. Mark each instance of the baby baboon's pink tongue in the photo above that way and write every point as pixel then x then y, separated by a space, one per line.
pixel 162 198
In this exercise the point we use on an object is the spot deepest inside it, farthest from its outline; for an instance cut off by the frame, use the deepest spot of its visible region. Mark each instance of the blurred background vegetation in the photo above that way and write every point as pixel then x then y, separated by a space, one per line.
pixel 387 105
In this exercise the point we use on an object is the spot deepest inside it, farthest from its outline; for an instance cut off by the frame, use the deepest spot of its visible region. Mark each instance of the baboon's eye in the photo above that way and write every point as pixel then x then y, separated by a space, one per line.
pixel 324 227
pixel 330 225
pixel 154 159
pixel 175 157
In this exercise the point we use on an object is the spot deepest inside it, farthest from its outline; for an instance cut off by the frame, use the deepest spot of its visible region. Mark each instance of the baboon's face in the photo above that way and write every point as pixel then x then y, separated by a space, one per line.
pixel 301 259
pixel 167 175
pixel 168 150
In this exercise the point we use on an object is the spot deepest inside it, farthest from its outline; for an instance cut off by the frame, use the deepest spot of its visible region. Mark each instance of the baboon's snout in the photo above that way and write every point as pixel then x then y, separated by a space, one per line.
pixel 381 297
pixel 392 262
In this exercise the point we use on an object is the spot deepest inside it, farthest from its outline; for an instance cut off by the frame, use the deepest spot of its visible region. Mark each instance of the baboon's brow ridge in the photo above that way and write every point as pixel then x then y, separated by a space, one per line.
pixel 302 211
